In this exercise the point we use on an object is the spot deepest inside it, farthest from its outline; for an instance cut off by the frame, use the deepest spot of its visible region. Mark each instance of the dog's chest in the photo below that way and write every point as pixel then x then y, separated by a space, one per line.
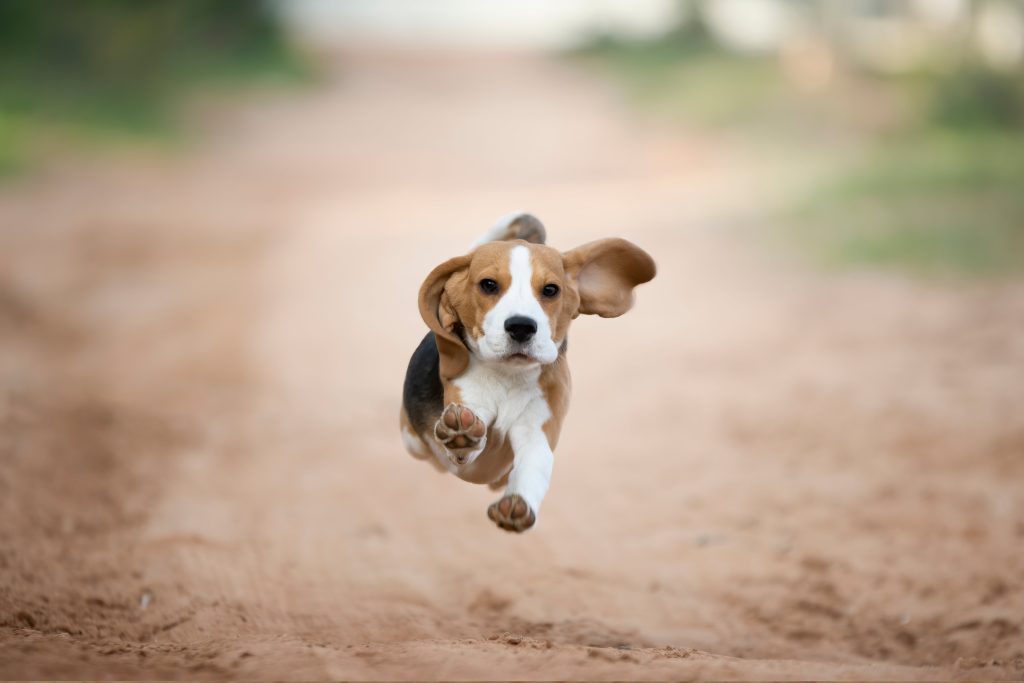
pixel 503 395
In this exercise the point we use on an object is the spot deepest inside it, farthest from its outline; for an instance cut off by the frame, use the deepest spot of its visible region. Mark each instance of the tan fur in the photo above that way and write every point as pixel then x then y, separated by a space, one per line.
pixel 438 313
pixel 556 384
pixel 605 273
pixel 596 278
pixel 493 464
pixel 451 304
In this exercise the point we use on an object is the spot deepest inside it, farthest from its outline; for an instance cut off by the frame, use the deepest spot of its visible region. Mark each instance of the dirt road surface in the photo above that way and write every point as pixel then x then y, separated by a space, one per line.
pixel 767 472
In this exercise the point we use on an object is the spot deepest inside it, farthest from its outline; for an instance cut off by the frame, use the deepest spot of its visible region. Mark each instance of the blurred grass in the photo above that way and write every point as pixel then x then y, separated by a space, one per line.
pixel 114 70
pixel 684 75
pixel 936 187
pixel 935 203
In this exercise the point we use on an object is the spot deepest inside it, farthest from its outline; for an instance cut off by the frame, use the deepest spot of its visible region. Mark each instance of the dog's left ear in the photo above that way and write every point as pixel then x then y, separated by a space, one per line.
pixel 605 273
pixel 440 315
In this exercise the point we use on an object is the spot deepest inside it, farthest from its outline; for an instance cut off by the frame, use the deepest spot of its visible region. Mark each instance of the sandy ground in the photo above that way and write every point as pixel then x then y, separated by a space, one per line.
pixel 766 473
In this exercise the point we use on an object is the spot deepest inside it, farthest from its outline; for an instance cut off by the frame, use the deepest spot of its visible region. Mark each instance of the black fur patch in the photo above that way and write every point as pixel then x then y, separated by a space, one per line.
pixel 422 394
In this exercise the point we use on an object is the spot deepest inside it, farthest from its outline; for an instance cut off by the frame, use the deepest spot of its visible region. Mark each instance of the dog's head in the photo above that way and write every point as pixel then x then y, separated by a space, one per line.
pixel 511 302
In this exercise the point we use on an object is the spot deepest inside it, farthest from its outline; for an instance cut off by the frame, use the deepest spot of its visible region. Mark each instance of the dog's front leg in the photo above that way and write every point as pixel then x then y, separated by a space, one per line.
pixel 461 432
pixel 527 482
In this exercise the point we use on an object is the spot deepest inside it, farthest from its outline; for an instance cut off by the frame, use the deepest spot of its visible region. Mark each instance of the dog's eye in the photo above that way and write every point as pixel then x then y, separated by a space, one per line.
pixel 549 291
pixel 488 286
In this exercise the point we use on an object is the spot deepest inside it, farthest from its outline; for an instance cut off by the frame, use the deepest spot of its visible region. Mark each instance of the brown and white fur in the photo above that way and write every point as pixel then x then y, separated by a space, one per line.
pixel 488 388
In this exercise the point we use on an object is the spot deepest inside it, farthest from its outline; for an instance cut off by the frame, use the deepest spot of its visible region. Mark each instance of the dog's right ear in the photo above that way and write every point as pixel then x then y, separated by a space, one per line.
pixel 442 318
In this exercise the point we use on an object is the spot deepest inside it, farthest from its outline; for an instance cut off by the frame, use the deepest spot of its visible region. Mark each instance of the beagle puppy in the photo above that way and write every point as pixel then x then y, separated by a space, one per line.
pixel 488 387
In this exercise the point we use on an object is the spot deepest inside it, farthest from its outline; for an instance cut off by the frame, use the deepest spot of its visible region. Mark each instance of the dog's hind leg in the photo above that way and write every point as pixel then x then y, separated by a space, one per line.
pixel 412 441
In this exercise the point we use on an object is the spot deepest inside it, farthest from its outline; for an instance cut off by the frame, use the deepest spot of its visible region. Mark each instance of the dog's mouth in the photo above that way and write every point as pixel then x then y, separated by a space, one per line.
pixel 520 357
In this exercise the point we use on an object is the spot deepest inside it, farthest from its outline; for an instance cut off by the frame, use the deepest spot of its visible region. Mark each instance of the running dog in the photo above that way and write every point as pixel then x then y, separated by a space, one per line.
pixel 487 389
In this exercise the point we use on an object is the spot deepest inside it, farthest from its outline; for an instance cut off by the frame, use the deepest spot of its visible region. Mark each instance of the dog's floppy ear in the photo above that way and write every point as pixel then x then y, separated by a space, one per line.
pixel 605 273
pixel 440 315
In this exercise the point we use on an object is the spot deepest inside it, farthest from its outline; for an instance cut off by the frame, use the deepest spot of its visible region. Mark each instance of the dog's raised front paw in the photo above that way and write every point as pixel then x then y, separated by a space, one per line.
pixel 512 513
pixel 460 431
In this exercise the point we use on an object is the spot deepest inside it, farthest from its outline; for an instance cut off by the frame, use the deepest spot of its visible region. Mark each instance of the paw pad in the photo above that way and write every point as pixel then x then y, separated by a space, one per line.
pixel 512 513
pixel 459 428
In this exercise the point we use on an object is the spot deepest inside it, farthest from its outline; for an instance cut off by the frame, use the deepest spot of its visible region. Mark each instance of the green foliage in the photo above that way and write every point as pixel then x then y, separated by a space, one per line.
pixel 120 66
pixel 685 74
pixel 941 193
pixel 938 190
pixel 688 40
pixel 978 98
pixel 935 203
pixel 121 44
pixel 12 152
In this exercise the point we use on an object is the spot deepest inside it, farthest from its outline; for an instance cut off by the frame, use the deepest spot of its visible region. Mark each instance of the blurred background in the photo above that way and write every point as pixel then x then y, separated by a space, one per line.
pixel 800 455
pixel 897 102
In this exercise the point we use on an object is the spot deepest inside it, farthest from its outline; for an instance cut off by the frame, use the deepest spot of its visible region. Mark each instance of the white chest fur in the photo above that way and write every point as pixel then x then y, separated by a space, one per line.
pixel 502 396
pixel 510 401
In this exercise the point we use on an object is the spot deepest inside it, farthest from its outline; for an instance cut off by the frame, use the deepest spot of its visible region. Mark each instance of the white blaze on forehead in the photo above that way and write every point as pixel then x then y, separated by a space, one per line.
pixel 521 288
pixel 519 299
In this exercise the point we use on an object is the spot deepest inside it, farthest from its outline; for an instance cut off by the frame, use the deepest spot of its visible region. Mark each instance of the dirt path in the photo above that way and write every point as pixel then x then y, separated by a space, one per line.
pixel 766 473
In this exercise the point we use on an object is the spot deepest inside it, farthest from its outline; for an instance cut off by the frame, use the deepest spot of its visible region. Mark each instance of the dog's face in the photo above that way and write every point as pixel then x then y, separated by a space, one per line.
pixel 511 302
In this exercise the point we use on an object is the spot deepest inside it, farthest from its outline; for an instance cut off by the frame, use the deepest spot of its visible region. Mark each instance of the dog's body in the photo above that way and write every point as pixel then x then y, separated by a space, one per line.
pixel 488 388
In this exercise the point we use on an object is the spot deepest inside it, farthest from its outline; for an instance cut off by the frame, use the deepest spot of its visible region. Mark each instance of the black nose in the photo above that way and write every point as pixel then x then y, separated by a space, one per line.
pixel 521 328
